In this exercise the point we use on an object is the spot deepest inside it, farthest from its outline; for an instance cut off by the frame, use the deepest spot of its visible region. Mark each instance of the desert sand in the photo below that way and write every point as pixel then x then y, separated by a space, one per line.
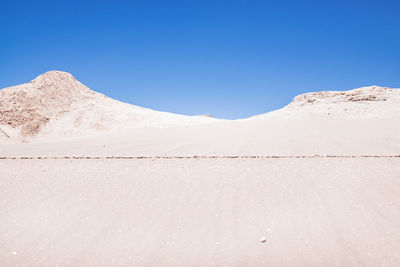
pixel 86 180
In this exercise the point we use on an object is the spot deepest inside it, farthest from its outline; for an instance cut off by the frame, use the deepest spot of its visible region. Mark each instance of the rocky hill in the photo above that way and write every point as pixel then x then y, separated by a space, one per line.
pixel 56 105
pixel 364 102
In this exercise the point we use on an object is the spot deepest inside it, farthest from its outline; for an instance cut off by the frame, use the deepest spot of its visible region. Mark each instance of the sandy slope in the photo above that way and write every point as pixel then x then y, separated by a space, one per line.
pixel 248 137
pixel 200 212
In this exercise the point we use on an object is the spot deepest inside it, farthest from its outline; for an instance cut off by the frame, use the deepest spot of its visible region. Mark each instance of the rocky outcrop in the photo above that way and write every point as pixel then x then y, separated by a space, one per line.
pixel 30 106
pixel 363 94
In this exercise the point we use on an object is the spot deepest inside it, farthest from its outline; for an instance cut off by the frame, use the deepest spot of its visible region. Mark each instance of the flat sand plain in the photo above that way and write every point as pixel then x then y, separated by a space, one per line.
pixel 200 212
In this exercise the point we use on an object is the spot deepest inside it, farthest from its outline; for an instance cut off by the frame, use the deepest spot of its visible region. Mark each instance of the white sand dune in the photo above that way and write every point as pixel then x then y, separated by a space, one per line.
pixel 317 211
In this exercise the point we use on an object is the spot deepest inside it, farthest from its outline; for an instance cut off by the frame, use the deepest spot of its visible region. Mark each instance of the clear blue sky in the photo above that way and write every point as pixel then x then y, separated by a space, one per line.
pixel 231 59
